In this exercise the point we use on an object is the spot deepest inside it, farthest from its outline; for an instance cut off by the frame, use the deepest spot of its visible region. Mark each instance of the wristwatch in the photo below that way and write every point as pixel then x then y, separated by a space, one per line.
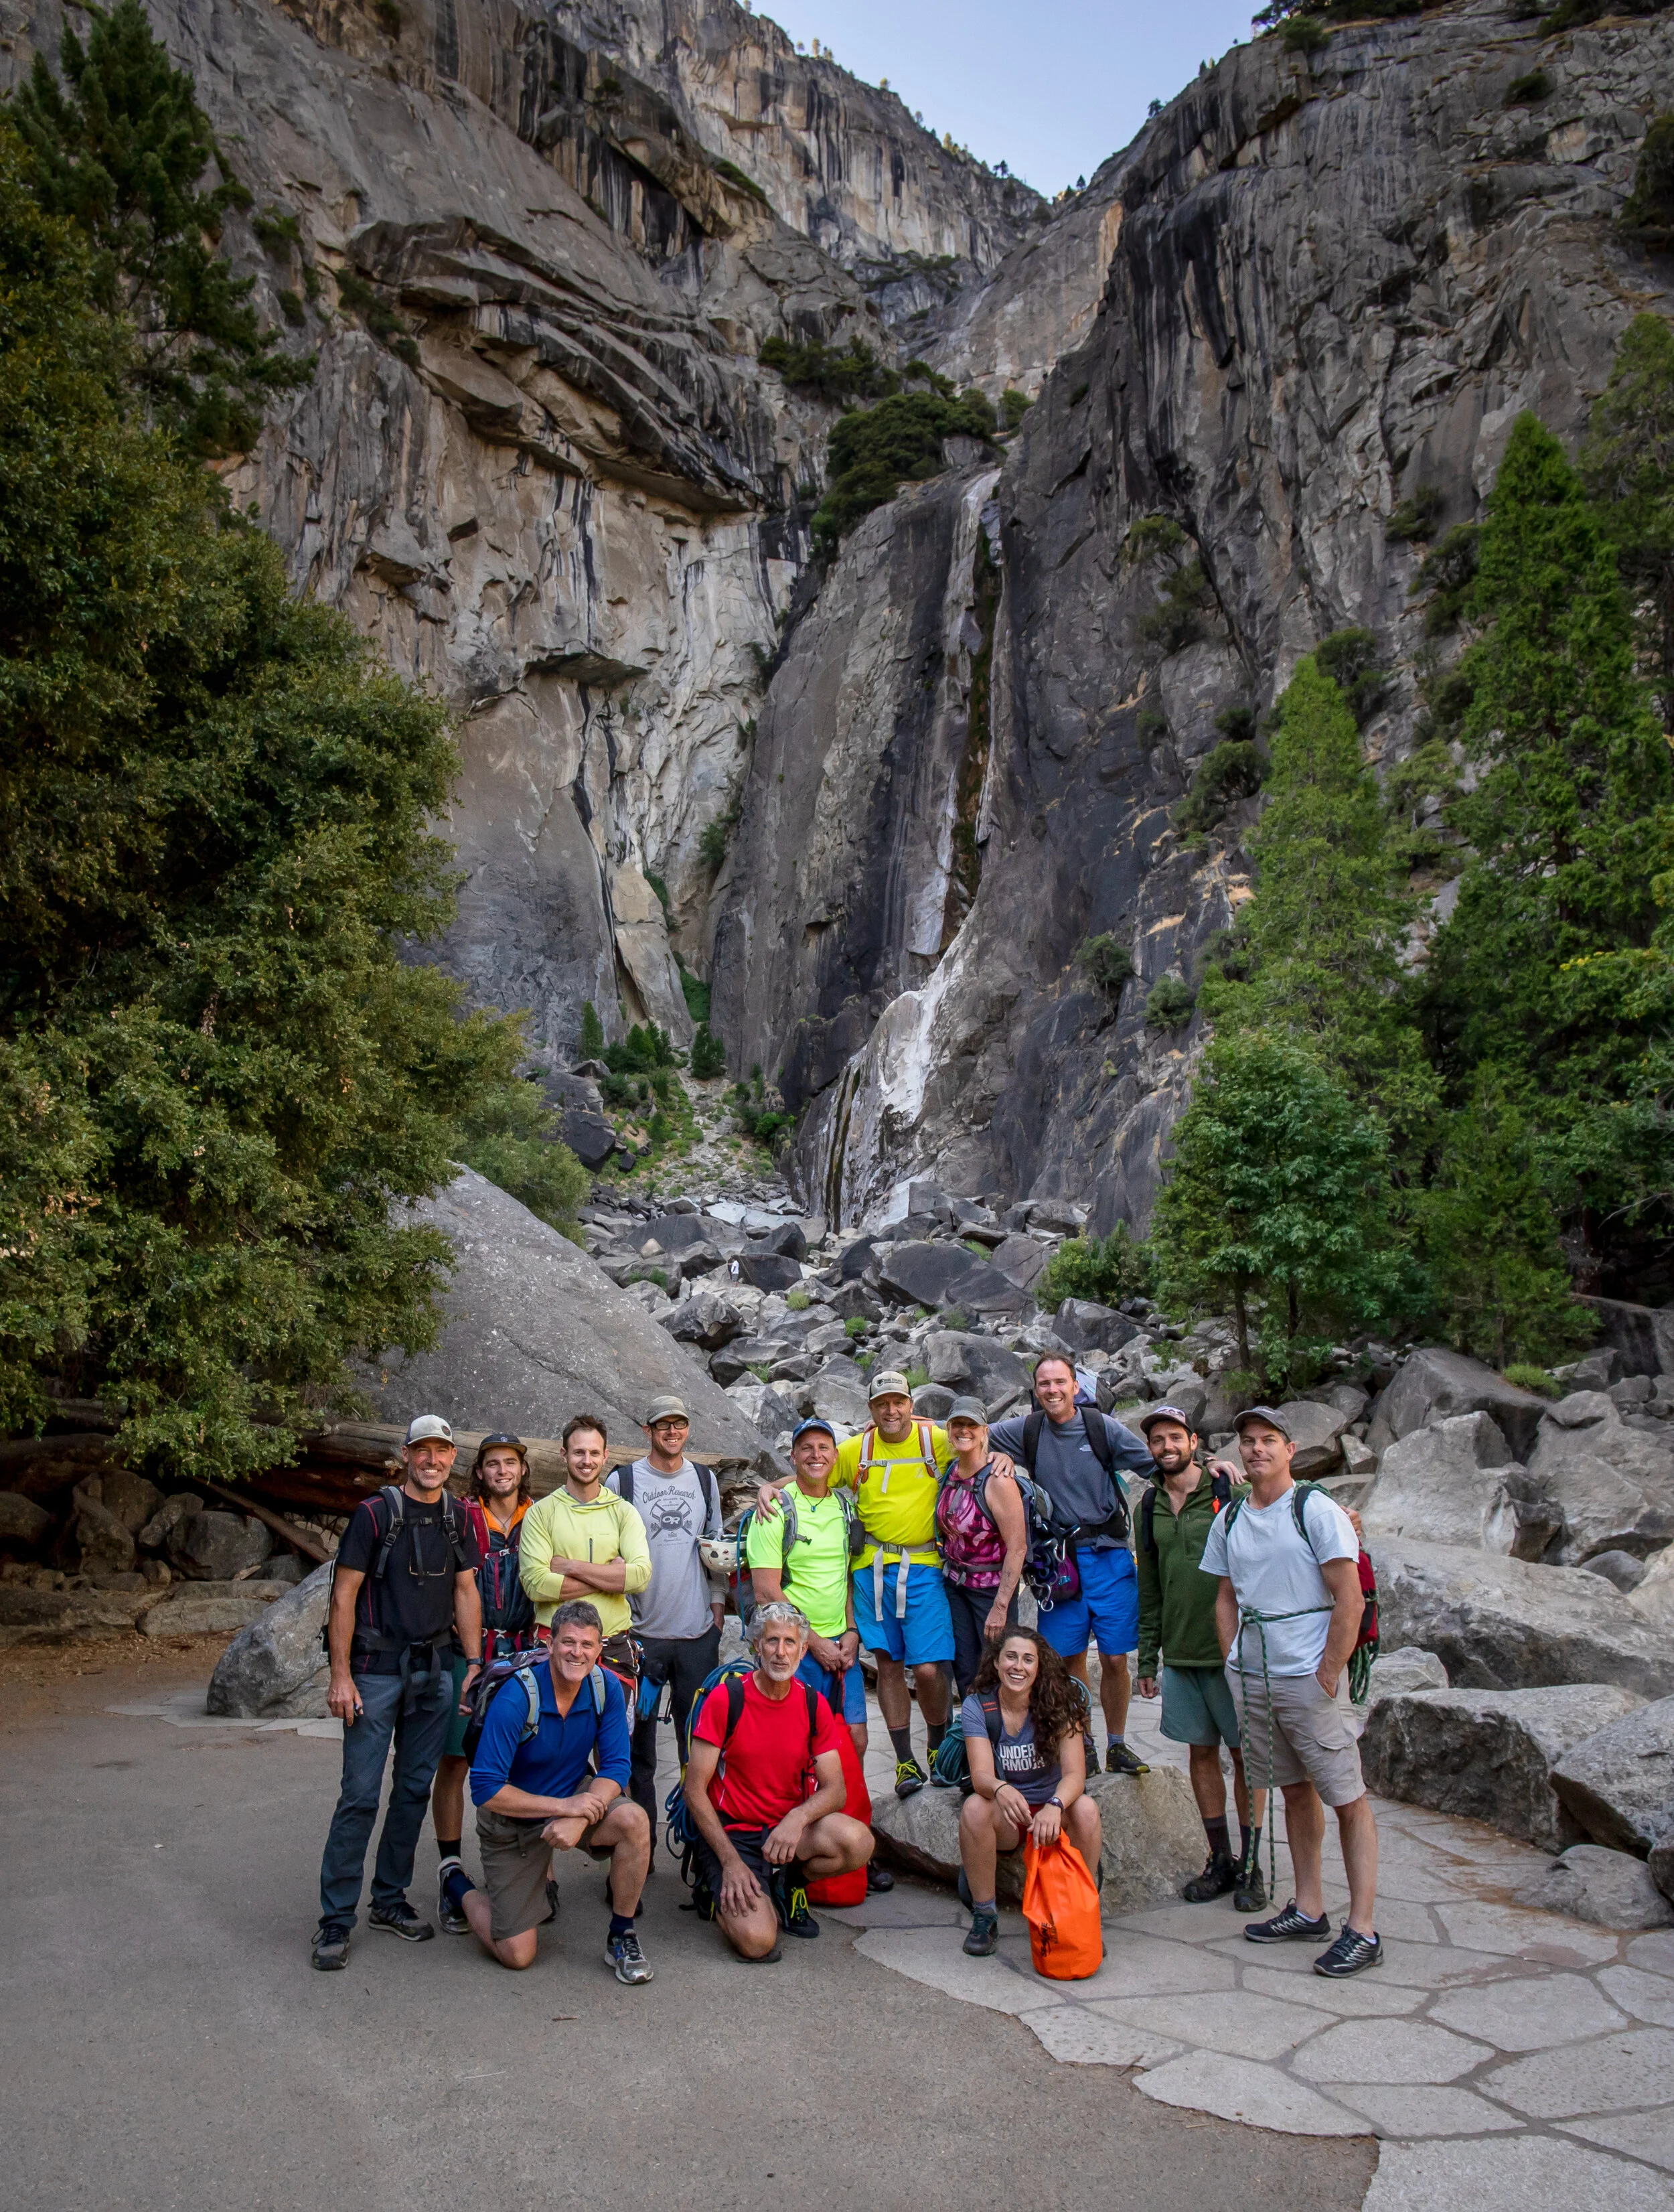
pixel 1059 1801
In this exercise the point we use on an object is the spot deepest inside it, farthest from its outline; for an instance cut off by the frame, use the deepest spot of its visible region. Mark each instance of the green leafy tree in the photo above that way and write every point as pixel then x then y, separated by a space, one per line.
pixel 1276 1210
pixel 1628 464
pixel 875 450
pixel 219 1073
pixel 1567 824
pixel 1104 1269
pixel 508 1132
pixel 121 149
pixel 1490 1238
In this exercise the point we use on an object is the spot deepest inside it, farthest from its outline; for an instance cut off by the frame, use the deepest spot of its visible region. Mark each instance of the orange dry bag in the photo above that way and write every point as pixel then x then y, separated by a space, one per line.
pixel 1061 1905
pixel 846 1888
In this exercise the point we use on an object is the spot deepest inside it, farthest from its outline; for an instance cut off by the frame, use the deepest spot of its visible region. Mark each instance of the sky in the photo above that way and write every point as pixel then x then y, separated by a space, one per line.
pixel 1052 87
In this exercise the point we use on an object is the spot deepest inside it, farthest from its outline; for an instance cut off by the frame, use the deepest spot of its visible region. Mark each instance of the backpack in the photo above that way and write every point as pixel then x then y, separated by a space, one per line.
pixel 743 1589
pixel 1366 1644
pixel 949 1765
pixel 678 1825
pixel 1047 1550
pixel 508 1612
pixel 927 1456
pixel 374 1639
pixel 1220 1489
pixel 1092 1421
pixel 522 1668
pixel 705 1476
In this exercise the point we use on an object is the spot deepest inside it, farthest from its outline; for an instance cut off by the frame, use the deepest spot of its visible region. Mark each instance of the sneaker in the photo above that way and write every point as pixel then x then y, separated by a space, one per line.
pixel 624 1955
pixel 1119 1760
pixel 791 1902
pixel 331 1953
pixel 985 1936
pixel 400 1920
pixel 1351 1954
pixel 910 1778
pixel 451 1916
pixel 1250 1894
pixel 878 1879
pixel 1218 1876
pixel 1289 1926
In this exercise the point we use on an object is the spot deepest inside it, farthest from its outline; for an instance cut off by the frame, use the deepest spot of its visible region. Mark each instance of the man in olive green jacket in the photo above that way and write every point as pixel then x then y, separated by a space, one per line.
pixel 1177 1622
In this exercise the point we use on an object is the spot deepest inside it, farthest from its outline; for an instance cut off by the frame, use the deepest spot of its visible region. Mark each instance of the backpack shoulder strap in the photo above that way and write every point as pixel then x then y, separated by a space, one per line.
pixel 868 1438
pixel 455 1523
pixel 625 1483
pixel 395 1519
pixel 1229 1514
pixel 1148 1520
pixel 926 1444
pixel 735 1706
pixel 1300 1494
pixel 705 1476
pixel 1098 1437
pixel 813 1697
pixel 1032 1428
pixel 597 1678
pixel 991 1715
pixel 532 1690
pixel 1220 1489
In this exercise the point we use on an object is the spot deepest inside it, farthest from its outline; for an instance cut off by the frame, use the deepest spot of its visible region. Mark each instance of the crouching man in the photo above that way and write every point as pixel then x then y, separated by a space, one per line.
pixel 761 1837
pixel 534 1795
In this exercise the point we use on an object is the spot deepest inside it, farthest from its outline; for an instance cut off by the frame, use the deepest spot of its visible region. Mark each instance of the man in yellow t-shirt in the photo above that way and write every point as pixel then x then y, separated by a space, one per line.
pixel 583 1541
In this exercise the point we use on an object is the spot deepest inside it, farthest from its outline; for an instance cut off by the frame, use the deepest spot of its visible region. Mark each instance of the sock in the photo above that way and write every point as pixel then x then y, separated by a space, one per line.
pixel 1251 1843
pixel 938 1730
pixel 455 1883
pixel 902 1740
pixel 621 1924
pixel 447 1847
pixel 1113 1737
pixel 985 1905
pixel 1220 1841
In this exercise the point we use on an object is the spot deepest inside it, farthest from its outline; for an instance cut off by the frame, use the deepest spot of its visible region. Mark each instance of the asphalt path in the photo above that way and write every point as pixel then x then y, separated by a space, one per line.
pixel 165 2043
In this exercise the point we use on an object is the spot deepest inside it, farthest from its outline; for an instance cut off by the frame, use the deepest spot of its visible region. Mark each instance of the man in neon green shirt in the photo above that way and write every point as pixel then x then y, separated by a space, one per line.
pixel 801 1551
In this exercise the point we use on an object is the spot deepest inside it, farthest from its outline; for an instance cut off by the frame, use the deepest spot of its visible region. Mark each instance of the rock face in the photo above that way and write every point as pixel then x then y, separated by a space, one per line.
pixel 533 1332
pixel 1153 1839
pixel 1614 1488
pixel 1500 1624
pixel 1607 1887
pixel 1435 1385
pixel 275 1668
pixel 1444 1485
pixel 1487 1755
pixel 1619 1784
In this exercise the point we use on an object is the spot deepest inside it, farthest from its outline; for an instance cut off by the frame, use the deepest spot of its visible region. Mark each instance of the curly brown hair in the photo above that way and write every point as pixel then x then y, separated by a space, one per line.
pixel 1057 1702
pixel 499 1442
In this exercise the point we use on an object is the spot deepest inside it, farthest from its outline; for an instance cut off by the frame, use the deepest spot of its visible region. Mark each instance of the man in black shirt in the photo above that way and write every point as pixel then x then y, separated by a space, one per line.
pixel 405 1582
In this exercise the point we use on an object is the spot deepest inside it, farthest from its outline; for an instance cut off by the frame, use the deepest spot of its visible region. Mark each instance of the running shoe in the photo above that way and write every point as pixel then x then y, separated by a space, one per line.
pixel 451 1916
pixel 623 1954
pixel 1218 1876
pixel 1119 1760
pixel 910 1778
pixel 791 1902
pixel 1351 1954
pixel 400 1920
pixel 985 1936
pixel 1289 1926
pixel 331 1952
pixel 878 1879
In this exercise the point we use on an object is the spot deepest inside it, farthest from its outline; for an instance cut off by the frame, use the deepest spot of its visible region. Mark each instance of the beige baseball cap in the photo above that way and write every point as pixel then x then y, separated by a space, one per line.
pixel 425 1425
pixel 668 1409
pixel 888 1382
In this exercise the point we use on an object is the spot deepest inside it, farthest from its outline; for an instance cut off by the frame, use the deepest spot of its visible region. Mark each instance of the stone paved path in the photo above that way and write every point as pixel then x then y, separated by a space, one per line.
pixel 1507 2057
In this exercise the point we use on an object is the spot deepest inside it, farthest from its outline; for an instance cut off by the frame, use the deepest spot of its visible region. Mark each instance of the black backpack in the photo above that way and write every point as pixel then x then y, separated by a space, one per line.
pixel 1220 1489
pixel 394 1512
pixel 1092 1421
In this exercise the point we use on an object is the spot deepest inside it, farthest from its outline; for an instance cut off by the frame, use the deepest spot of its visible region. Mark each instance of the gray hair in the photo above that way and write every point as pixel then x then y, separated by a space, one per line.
pixel 577 1613
pixel 775 1610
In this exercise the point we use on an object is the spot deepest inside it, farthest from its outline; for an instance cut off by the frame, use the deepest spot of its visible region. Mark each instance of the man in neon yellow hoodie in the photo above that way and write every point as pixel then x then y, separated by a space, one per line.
pixel 581 1540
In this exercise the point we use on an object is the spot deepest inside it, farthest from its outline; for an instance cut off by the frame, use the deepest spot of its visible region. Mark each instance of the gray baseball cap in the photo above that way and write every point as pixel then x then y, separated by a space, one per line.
pixel 670 1408
pixel 966 1409
pixel 888 1382
pixel 1167 1413
pixel 422 1426
pixel 1274 1420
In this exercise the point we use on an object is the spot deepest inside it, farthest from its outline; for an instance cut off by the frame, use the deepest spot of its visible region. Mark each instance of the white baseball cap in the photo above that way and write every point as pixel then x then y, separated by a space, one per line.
pixel 425 1425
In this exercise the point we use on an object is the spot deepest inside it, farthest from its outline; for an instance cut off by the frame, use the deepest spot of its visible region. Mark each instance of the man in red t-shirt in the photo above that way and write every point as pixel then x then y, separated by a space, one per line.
pixel 761 1837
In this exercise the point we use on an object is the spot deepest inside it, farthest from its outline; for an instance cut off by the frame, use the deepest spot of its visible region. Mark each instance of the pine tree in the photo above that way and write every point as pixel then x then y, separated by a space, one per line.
pixel 592 1032
pixel 1276 1210
pixel 1628 461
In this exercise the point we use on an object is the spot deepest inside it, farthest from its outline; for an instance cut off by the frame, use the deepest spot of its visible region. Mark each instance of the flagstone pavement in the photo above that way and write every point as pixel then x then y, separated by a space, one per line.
pixel 1511 2060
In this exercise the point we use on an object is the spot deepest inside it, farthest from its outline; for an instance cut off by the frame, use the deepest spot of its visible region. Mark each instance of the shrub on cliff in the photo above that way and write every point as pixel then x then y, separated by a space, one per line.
pixel 875 450
pixel 1106 1270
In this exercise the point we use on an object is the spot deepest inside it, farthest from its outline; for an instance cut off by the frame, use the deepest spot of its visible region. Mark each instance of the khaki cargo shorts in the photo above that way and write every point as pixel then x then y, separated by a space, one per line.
pixel 1312 1737
pixel 516 1866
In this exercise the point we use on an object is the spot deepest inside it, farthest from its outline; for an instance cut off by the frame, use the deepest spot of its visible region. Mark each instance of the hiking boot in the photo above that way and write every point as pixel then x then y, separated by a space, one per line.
pixel 985 1936
pixel 331 1953
pixel 450 1915
pixel 1119 1760
pixel 791 1903
pixel 1218 1876
pixel 1289 1926
pixel 400 1920
pixel 910 1778
pixel 878 1879
pixel 624 1955
pixel 1351 1954
pixel 1250 1894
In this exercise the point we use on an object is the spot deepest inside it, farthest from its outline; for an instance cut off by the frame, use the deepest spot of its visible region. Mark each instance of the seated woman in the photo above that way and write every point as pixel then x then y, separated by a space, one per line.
pixel 1022 1723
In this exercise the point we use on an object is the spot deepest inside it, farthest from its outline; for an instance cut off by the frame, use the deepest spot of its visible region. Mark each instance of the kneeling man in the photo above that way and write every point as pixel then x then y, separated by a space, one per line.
pixel 534 1795
pixel 761 1837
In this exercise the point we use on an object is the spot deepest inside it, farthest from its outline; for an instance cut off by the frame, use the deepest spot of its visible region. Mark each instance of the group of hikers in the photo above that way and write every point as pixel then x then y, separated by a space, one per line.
pixel 525 1646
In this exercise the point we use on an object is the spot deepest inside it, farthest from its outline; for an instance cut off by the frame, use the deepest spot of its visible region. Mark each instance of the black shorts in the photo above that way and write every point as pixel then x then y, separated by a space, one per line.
pixel 747 1843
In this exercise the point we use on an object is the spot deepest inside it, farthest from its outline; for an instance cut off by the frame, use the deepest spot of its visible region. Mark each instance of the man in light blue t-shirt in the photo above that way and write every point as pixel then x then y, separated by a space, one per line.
pixel 1288 1612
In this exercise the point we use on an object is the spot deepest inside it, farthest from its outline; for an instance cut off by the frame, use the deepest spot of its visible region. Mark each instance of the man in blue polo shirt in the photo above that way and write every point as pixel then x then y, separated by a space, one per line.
pixel 1076 1452
pixel 534 1795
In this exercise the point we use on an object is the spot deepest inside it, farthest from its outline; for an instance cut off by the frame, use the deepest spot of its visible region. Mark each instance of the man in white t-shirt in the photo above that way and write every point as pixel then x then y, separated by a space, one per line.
pixel 1288 1614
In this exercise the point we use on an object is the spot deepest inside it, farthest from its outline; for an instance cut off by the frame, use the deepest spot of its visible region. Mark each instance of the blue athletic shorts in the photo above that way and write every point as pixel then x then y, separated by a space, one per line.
pixel 1105 1613
pixel 846 1693
pixel 924 1637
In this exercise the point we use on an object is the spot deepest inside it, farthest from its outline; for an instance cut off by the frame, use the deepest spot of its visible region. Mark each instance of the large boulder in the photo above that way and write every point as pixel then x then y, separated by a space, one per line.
pixel 103 1544
pixel 1399 1669
pixel 979 1365
pixel 217 1547
pixel 1642 1336
pixel 1085 1325
pixel 128 1496
pixel 1614 1486
pixel 1487 1754
pixel 705 1321
pixel 765 1271
pixel 276 1669
pixel 1316 1430
pixel 21 1521
pixel 770 1414
pixel 1153 1839
pixel 1619 1784
pixel 1609 1888
pixel 1020 1260
pixel 836 1393
pixel 209 1608
pixel 534 1331
pixel 1444 1485
pixel 1433 1383
pixel 1653 1598
pixel 948 1277
pixel 589 1136
pixel 1500 1624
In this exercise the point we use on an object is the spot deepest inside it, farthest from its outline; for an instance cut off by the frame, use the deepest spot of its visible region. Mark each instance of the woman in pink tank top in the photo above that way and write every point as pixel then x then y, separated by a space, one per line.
pixel 983 1532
